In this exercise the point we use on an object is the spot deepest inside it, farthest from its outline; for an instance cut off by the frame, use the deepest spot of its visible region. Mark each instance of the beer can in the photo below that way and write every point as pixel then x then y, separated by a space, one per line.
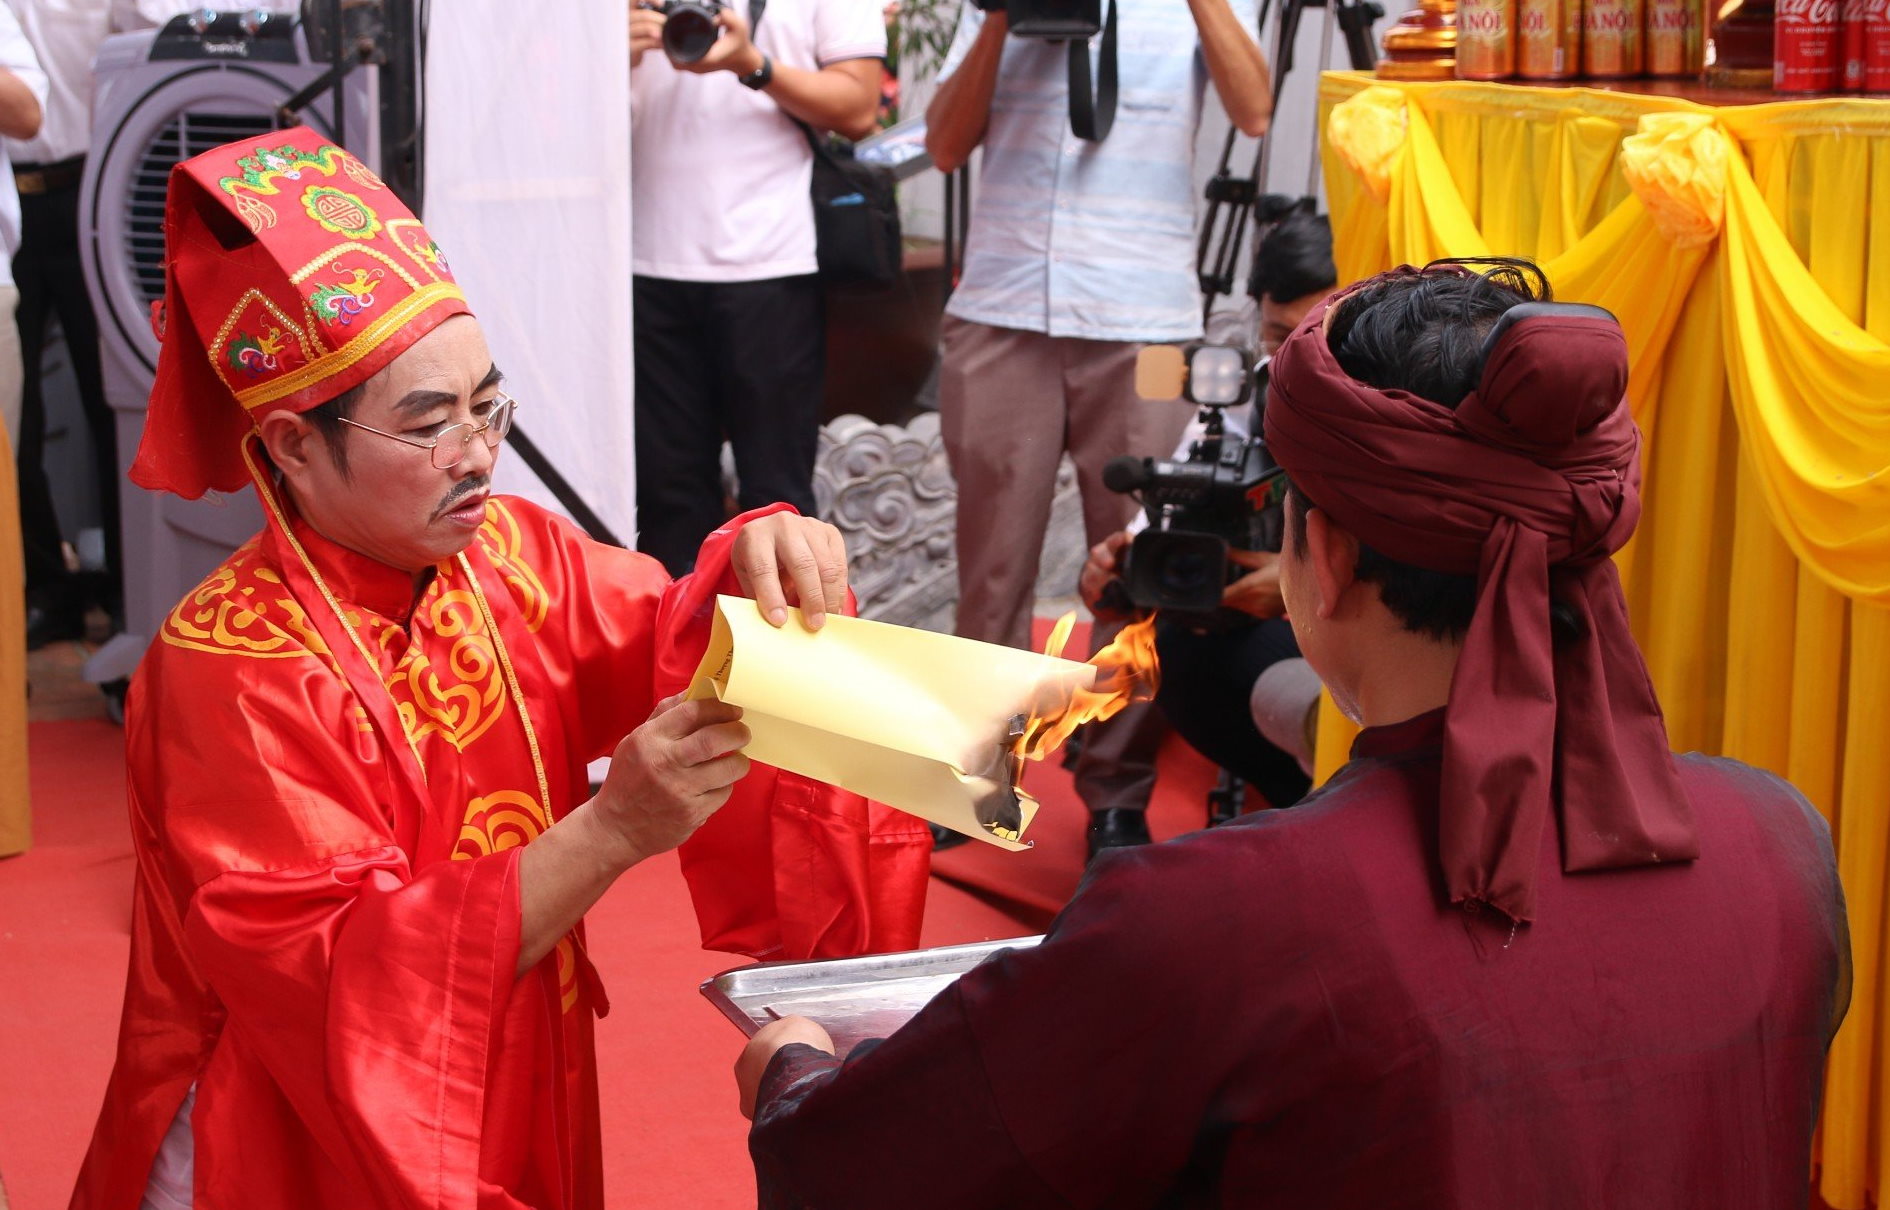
pixel 1877 46
pixel 1851 39
pixel 1486 39
pixel 1548 39
pixel 1611 38
pixel 1675 38
pixel 1805 46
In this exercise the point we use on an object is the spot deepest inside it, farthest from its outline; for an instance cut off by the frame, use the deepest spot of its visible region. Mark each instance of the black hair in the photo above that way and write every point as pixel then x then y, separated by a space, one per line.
pixel 1294 256
pixel 1422 332
pixel 327 419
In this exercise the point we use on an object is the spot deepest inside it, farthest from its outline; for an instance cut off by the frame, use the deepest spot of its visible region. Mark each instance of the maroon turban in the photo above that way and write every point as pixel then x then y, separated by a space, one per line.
pixel 1529 484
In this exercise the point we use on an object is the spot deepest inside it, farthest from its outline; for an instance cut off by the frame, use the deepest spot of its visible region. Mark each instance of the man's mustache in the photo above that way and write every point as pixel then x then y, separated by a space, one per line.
pixel 470 487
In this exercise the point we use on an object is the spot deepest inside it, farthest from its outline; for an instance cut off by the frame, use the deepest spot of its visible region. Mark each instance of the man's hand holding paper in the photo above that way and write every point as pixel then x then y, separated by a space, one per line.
pixel 916 720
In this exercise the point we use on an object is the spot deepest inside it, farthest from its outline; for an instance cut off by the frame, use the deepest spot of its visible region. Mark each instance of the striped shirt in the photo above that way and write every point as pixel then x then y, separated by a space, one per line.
pixel 1092 240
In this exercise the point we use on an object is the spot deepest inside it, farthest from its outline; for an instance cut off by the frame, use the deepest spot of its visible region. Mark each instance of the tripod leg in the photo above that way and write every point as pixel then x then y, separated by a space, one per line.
pixel 1225 799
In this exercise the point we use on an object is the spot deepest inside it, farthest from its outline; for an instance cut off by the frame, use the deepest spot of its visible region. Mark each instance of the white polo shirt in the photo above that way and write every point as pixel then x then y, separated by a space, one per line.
pixel 16 56
pixel 719 175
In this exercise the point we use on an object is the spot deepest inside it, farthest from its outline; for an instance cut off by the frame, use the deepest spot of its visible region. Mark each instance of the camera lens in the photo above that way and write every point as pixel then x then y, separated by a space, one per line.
pixel 689 32
pixel 1188 572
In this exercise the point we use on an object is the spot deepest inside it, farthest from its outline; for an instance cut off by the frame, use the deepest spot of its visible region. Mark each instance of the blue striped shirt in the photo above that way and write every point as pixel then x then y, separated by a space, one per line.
pixel 1093 240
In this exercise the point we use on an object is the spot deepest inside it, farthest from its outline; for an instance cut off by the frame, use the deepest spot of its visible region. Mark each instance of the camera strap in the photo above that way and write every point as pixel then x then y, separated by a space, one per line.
pixel 1093 111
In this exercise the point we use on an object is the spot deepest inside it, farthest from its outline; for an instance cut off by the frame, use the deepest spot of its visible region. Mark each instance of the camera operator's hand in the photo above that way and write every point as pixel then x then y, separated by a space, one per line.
pixel 646 30
pixel 1257 592
pixel 1104 563
pixel 733 51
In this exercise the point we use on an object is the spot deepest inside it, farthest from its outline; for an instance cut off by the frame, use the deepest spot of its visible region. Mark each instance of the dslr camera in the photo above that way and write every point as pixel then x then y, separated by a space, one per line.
pixel 690 29
pixel 1227 494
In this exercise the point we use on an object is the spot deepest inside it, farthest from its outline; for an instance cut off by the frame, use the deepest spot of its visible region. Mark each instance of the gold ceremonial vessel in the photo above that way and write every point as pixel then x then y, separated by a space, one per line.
pixel 1423 44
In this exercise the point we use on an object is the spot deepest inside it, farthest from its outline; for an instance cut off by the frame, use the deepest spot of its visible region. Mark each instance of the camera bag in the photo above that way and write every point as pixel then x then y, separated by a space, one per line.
pixel 856 209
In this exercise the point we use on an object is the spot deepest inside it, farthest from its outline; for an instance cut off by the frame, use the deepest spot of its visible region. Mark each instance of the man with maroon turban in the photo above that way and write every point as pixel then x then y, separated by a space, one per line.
pixel 357 752
pixel 1514 954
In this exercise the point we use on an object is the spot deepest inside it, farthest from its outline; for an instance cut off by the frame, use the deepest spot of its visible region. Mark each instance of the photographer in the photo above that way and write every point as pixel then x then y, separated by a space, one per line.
pixel 730 330
pixel 1208 675
pixel 1079 252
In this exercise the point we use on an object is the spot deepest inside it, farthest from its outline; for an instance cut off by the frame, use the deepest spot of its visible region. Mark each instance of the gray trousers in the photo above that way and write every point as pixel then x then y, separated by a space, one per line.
pixel 1011 403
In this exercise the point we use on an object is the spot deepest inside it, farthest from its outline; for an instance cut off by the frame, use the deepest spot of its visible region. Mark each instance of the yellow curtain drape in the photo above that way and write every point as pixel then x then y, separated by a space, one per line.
pixel 1747 253
pixel 16 819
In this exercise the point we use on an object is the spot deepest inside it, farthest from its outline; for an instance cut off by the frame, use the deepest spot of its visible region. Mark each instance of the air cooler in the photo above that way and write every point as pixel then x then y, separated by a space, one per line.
pixel 163 96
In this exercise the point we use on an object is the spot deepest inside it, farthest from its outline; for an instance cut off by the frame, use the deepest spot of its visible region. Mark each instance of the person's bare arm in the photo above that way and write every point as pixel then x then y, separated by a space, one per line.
pixel 669 775
pixel 1236 66
pixel 665 779
pixel 960 111
pixel 20 114
pixel 842 97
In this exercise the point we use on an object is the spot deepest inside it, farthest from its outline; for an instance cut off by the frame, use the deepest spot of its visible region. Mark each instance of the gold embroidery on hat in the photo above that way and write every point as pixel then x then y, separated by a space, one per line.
pixel 219 346
pixel 365 342
pixel 341 212
pixel 256 212
pixel 412 238
pixel 258 172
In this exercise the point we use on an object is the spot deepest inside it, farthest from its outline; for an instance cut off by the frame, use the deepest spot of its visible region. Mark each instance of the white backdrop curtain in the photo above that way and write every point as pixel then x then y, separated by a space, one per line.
pixel 527 123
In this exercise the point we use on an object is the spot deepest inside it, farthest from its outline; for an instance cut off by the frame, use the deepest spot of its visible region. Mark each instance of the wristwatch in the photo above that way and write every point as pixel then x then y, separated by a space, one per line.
pixel 761 77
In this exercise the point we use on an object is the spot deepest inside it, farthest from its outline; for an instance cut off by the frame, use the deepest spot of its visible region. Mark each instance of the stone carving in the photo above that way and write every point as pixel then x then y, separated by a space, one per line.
pixel 888 489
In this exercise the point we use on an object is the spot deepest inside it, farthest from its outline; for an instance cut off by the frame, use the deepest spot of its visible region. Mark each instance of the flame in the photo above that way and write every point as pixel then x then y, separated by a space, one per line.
pixel 1127 672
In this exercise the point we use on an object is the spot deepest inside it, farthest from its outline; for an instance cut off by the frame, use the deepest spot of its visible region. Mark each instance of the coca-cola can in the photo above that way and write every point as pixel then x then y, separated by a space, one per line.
pixel 1851 41
pixel 1548 39
pixel 1611 38
pixel 1805 47
pixel 1676 43
pixel 1486 39
pixel 1877 46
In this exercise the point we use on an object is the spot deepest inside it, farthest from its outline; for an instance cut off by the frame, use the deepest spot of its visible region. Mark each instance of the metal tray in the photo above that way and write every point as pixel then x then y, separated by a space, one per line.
pixel 854 998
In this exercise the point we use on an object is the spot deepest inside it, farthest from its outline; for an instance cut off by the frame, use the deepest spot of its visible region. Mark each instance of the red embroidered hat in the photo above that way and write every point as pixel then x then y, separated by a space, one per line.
pixel 292 274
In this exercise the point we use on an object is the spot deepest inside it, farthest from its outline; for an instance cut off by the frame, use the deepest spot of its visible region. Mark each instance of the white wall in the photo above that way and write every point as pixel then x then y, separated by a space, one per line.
pixel 528 193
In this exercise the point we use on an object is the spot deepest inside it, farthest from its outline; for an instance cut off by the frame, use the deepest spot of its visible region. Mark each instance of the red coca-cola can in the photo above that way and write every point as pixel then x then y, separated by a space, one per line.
pixel 1548 39
pixel 1611 38
pixel 1851 40
pixel 1675 41
pixel 1486 39
pixel 1877 46
pixel 1806 50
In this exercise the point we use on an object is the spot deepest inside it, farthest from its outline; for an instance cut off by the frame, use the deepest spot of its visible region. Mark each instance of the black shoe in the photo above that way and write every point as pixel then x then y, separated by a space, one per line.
pixel 1116 828
pixel 945 838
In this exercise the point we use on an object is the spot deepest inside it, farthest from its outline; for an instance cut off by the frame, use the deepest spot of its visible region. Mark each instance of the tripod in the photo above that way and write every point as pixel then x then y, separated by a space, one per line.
pixel 1231 199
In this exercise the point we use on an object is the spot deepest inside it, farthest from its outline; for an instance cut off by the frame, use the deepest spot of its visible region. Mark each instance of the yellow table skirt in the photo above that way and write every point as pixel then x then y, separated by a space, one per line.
pixel 1746 250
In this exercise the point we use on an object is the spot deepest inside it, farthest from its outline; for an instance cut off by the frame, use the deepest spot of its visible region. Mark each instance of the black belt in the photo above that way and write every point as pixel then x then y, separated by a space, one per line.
pixel 30 179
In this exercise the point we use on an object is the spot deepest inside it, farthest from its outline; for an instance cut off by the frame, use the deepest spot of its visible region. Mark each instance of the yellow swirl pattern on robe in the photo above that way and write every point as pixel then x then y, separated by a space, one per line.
pixel 458 697
pixel 500 538
pixel 242 608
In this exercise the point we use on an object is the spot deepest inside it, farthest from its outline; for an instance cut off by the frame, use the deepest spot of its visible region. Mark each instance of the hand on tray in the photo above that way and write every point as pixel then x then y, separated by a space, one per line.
pixel 760 1049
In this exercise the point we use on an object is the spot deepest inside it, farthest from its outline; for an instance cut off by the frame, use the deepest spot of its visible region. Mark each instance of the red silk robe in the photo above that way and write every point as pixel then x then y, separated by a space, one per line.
pixel 1286 1012
pixel 327 820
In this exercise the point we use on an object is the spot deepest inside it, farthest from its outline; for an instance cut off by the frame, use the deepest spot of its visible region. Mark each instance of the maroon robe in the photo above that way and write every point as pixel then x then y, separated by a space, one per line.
pixel 1287 1012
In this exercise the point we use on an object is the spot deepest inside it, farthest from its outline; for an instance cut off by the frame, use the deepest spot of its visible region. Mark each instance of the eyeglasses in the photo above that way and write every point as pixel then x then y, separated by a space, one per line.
pixel 449 445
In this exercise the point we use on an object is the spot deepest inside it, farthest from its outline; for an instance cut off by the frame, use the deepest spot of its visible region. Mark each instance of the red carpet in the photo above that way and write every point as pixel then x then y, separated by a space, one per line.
pixel 673 1137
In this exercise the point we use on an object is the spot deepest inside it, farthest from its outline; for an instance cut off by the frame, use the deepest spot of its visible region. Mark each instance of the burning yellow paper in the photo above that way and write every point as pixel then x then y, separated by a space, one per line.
pixel 929 723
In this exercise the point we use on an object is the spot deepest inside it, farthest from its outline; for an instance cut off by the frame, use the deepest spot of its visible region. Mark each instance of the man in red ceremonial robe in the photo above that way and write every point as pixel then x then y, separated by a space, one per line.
pixel 357 751
pixel 1514 954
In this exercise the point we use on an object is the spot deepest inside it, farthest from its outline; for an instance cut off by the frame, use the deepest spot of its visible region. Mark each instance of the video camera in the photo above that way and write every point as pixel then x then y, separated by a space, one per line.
pixel 1092 111
pixel 1227 494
